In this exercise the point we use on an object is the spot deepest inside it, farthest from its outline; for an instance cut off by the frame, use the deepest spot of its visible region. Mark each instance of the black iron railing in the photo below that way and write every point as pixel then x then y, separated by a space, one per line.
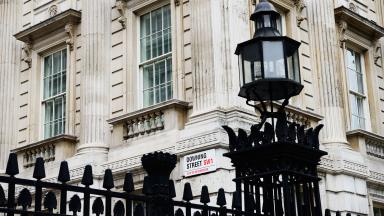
pixel 49 198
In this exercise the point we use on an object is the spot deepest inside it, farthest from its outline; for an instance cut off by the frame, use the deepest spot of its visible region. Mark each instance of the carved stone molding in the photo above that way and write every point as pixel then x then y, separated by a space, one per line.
pixel 27 50
pixel 121 6
pixel 69 29
pixel 300 5
pixel 343 25
pixel 53 10
pixel 377 52
pixel 177 2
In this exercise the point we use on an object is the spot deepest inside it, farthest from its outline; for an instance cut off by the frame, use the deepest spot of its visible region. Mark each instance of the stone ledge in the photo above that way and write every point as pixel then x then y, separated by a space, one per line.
pixel 174 103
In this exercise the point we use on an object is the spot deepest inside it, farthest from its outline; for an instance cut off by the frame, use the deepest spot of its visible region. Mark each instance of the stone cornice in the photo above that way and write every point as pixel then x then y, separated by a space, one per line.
pixel 55 139
pixel 365 134
pixel 364 26
pixel 56 22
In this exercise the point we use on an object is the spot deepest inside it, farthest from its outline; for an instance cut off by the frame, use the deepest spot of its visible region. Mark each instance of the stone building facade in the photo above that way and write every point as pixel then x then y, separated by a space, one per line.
pixel 104 81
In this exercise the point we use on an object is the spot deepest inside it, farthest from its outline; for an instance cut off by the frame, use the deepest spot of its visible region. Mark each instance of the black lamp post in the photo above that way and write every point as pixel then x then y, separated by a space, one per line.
pixel 269 62
pixel 276 163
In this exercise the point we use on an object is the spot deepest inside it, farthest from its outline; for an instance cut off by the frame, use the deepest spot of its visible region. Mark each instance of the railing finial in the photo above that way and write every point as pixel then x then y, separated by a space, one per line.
pixel 64 173
pixel 12 165
pixel 39 171
pixel 87 179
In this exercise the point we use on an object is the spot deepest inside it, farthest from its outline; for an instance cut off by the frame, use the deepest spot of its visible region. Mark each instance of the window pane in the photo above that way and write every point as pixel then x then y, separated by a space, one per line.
pixel 156 18
pixel 167 16
pixel 47 66
pixel 148 76
pixel 169 69
pixel 64 59
pixel 145 25
pixel 57 62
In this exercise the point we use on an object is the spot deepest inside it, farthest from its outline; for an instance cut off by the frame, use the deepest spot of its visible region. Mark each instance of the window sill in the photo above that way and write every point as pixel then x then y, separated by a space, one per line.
pixel 164 116
pixel 56 148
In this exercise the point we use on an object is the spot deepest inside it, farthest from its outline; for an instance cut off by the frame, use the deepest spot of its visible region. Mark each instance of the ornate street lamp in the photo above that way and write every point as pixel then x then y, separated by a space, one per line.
pixel 269 62
pixel 276 163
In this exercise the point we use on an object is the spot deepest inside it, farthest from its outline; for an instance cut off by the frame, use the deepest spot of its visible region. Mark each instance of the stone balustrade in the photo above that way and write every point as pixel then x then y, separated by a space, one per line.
pixel 164 116
pixel 375 147
pixel 145 124
pixel 47 152
pixel 55 148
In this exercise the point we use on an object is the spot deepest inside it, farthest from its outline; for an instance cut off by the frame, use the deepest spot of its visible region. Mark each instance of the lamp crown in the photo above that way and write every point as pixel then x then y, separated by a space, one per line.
pixel 265 17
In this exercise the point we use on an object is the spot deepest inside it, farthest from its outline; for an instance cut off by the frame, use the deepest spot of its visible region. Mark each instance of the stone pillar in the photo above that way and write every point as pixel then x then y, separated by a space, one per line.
pixel 94 97
pixel 10 51
pixel 214 40
pixel 327 64
pixel 345 190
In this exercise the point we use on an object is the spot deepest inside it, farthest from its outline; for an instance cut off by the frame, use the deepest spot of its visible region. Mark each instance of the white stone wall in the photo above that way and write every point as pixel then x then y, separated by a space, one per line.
pixel 103 89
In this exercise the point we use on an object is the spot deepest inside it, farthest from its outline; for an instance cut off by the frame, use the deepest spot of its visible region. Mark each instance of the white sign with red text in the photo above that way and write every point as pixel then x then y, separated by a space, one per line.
pixel 199 163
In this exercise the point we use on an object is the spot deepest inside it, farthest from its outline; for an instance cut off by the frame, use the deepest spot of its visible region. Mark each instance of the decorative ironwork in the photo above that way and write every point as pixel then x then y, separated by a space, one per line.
pixel 158 194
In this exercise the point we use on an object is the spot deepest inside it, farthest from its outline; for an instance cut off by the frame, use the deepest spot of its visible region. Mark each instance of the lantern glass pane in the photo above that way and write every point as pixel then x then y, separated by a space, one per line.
pixel 293 67
pixel 251 63
pixel 274 65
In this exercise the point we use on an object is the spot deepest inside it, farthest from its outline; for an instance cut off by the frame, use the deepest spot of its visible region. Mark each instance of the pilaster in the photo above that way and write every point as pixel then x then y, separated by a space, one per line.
pixel 10 51
pixel 94 132
pixel 214 39
pixel 327 64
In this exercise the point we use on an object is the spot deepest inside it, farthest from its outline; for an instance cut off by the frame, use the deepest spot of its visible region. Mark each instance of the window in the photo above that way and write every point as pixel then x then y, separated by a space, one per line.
pixel 356 89
pixel 54 92
pixel 378 211
pixel 156 55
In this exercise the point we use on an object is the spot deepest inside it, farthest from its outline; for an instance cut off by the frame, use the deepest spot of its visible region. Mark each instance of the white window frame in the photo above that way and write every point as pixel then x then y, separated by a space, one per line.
pixel 66 93
pixel 140 87
pixel 366 113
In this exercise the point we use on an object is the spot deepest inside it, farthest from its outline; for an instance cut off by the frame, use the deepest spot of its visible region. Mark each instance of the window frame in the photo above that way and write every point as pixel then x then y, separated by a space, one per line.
pixel 139 66
pixel 42 101
pixel 364 69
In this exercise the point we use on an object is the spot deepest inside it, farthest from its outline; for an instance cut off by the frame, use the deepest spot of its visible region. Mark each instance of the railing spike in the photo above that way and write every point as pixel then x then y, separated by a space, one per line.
pixel 98 206
pixel 87 179
pixel 221 198
pixel 119 209
pixel 327 212
pixel 172 190
pixel 108 180
pixel 187 194
pixel 204 198
pixel 64 172
pixel 338 213
pixel 236 200
pixel 179 212
pixel 147 186
pixel 12 165
pixel 24 199
pixel 128 183
pixel 75 204
pixel 348 214
pixel 39 170
pixel 3 200
pixel 139 210
pixel 50 201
